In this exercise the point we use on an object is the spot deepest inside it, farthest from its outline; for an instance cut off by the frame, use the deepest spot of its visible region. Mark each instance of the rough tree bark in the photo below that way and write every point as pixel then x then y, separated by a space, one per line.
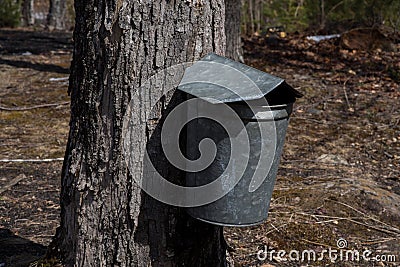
pixel 232 29
pixel 106 220
pixel 57 14
pixel 28 18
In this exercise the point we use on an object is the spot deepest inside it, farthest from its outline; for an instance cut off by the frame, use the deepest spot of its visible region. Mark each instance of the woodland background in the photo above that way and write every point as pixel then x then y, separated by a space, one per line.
pixel 339 175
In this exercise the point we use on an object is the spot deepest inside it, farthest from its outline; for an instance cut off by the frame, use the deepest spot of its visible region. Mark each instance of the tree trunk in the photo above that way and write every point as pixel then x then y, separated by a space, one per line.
pixel 106 219
pixel 322 21
pixel 28 18
pixel 257 15
pixel 57 14
pixel 251 14
pixel 232 29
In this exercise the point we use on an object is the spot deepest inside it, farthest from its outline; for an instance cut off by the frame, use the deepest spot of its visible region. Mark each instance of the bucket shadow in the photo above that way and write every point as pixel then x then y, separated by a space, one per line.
pixel 172 236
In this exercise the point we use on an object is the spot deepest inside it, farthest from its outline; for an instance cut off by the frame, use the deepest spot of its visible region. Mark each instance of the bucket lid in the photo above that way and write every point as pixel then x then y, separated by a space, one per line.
pixel 218 79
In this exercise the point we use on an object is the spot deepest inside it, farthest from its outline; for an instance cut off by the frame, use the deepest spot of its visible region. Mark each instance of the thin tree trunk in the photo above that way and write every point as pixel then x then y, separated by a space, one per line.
pixel 257 15
pixel 106 219
pixel 28 18
pixel 232 29
pixel 251 15
pixel 245 16
pixel 57 14
pixel 322 12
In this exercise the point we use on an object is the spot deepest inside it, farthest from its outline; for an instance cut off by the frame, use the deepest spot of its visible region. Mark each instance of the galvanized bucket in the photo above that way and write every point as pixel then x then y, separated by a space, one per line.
pixel 239 207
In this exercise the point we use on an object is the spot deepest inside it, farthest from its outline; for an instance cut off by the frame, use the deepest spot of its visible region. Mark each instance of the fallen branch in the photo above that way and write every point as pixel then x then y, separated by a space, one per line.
pixel 383 230
pixel 12 183
pixel 316 161
pixel 315 243
pixel 59 79
pixel 31 160
pixel 34 107
pixel 391 228
pixel 346 97
pixel 388 230
pixel 275 228
pixel 378 241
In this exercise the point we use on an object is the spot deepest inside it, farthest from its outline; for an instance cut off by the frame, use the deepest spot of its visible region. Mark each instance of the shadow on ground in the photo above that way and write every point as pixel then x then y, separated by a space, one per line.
pixel 35 66
pixel 17 251
pixel 26 41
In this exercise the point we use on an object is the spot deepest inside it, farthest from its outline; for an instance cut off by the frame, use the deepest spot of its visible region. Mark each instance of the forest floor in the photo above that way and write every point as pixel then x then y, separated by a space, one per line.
pixel 339 177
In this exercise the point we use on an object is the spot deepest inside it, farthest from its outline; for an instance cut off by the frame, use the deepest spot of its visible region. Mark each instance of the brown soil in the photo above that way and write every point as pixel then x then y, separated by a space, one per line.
pixel 29 62
pixel 340 171
pixel 339 175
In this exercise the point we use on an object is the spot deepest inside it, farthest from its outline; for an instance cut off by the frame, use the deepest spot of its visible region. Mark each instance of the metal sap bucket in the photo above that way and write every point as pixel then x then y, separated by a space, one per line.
pixel 241 206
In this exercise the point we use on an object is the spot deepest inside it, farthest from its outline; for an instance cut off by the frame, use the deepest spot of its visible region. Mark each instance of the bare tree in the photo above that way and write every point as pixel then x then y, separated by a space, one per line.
pixel 57 14
pixel 28 18
pixel 106 220
pixel 322 21
pixel 253 16
pixel 232 29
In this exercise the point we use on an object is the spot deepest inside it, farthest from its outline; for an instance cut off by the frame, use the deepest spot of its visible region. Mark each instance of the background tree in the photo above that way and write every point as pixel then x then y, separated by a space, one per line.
pixel 233 9
pixel 56 18
pixel 28 11
pixel 253 16
pixel 106 220
pixel 334 16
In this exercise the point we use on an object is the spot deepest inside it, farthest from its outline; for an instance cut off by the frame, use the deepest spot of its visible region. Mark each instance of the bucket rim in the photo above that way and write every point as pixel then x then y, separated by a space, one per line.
pixel 263 112
pixel 279 106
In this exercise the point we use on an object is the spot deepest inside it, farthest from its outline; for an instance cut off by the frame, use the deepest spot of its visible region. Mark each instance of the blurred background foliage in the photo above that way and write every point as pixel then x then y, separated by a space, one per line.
pixel 319 16
pixel 10 14
pixel 312 16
